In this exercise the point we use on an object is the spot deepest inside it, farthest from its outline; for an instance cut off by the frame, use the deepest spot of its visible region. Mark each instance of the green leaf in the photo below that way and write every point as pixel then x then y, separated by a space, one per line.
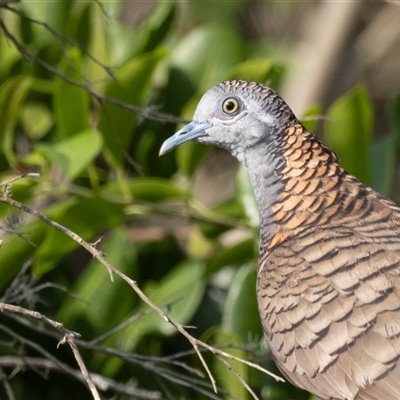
pixel 383 160
pixel 12 95
pixel 179 294
pixel 156 189
pixel 80 24
pixel 240 314
pixel 257 70
pixel 245 194
pixel 132 86
pixel 56 15
pixel 309 119
pixel 158 24
pixel 36 119
pixel 231 343
pixel 234 255
pixel 71 103
pixel 349 131
pixel 145 189
pixel 192 55
pixel 97 297
pixel 99 47
pixel 86 217
pixel 74 154
pixel 394 116
pixel 384 151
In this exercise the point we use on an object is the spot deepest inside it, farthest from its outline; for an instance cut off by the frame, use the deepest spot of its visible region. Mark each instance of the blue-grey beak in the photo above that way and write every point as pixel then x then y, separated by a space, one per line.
pixel 191 131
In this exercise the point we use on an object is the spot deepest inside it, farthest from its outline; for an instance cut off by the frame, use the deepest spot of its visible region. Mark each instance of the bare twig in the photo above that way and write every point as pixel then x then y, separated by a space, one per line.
pixel 118 327
pixel 238 376
pixel 16 178
pixel 36 315
pixel 70 339
pixel 7 386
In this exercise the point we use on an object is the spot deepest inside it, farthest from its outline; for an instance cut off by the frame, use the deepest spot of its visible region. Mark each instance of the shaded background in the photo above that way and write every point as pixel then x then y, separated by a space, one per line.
pixel 185 225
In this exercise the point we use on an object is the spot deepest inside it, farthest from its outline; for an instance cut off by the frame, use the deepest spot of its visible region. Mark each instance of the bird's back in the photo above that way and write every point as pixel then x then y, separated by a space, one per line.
pixel 329 279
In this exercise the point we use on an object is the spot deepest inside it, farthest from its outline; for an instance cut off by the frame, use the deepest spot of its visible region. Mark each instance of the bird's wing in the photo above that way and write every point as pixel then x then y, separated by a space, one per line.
pixel 329 301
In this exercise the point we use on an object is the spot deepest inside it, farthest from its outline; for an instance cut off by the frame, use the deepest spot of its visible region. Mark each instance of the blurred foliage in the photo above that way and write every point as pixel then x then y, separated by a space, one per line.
pixel 100 177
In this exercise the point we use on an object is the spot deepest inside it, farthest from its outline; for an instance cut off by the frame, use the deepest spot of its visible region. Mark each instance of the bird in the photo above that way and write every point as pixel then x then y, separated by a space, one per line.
pixel 328 278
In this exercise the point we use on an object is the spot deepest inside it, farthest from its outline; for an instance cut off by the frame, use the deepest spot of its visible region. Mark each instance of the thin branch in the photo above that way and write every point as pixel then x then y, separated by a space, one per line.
pixel 15 287
pixel 239 377
pixel 122 325
pixel 37 315
pixel 7 386
pixel 70 339
pixel 8 182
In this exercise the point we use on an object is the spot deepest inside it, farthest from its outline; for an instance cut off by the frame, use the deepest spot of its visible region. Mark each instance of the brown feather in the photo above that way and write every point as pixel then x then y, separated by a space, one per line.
pixel 329 281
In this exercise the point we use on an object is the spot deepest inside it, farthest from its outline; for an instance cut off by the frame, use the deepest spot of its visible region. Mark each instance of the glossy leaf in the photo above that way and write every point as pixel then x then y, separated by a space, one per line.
pixel 149 189
pixel 158 25
pixel 310 118
pixel 349 131
pixel 179 293
pixel 132 86
pixel 234 255
pixel 192 55
pixel 71 103
pixel 383 159
pixel 36 119
pixel 12 95
pixel 74 154
pixel 79 24
pixel 384 151
pixel 245 194
pixel 231 343
pixel 240 314
pixel 97 298
pixel 257 70
pixel 86 217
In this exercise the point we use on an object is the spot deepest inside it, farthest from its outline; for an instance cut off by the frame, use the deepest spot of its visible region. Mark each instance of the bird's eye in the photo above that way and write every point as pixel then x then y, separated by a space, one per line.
pixel 230 106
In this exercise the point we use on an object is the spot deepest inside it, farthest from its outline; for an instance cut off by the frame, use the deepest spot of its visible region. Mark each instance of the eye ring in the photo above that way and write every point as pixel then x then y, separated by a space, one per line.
pixel 230 105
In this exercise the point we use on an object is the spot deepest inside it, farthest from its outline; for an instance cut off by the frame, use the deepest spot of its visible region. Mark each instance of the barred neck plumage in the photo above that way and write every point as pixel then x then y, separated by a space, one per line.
pixel 298 182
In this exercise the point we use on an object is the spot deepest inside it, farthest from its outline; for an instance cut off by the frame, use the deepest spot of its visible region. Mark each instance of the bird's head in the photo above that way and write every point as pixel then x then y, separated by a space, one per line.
pixel 235 115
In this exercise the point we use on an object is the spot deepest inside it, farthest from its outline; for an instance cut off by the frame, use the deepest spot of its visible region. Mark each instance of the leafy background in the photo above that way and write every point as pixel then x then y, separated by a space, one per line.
pixel 88 92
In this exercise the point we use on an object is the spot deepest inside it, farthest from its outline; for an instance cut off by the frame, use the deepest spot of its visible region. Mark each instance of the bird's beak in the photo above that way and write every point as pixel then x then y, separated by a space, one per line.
pixel 191 131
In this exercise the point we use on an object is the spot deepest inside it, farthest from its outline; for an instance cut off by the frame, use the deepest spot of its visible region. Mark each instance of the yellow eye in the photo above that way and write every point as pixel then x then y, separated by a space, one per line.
pixel 230 105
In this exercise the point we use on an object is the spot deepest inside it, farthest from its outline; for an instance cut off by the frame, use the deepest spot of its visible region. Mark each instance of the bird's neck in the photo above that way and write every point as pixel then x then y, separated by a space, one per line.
pixel 294 181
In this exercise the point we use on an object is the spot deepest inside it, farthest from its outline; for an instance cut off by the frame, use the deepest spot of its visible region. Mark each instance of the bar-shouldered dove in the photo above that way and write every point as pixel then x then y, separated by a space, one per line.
pixel 328 285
